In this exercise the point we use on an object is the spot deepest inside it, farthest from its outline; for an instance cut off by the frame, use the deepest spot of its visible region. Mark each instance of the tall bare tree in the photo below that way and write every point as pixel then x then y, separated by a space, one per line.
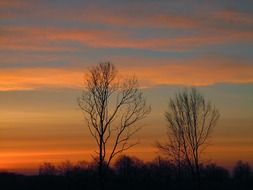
pixel 190 120
pixel 111 107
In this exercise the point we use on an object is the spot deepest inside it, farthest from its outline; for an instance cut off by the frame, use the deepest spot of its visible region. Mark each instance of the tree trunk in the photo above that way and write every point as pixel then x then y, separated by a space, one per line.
pixel 100 167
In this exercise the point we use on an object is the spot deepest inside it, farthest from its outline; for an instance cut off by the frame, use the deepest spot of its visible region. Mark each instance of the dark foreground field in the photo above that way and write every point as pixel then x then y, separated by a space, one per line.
pixel 129 173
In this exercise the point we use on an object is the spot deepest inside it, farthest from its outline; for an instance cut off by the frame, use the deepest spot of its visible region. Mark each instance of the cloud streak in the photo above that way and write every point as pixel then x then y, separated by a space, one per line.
pixel 118 26
pixel 201 71
pixel 53 39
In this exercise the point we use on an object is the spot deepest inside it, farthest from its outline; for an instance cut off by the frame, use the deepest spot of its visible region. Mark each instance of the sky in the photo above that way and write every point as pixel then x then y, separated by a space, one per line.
pixel 46 48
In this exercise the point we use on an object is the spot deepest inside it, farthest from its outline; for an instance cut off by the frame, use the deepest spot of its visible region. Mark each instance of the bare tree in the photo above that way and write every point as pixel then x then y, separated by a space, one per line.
pixel 111 107
pixel 190 121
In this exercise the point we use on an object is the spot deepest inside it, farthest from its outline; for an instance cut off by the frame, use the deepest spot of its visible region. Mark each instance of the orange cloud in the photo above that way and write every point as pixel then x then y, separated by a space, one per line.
pixel 50 39
pixel 8 8
pixel 29 39
pixel 126 15
pixel 27 79
pixel 233 16
pixel 202 71
pixel 104 15
pixel 137 21
pixel 13 4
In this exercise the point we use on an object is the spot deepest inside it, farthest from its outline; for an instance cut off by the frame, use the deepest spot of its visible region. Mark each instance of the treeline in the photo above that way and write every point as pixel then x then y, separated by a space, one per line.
pixel 130 173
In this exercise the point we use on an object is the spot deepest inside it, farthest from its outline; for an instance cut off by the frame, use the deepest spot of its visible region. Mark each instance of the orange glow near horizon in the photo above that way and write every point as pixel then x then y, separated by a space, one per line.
pixel 30 161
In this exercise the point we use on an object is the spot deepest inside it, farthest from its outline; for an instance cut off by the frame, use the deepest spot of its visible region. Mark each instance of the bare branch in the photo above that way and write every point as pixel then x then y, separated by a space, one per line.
pixel 112 108
pixel 190 121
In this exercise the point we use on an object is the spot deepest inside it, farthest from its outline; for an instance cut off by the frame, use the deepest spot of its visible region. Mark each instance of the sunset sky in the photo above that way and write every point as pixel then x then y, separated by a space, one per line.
pixel 47 46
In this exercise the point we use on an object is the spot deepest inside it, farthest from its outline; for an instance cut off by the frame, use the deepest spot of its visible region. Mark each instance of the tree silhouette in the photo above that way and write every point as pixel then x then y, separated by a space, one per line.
pixel 47 169
pixel 126 165
pixel 242 172
pixel 111 107
pixel 190 120
pixel 128 173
